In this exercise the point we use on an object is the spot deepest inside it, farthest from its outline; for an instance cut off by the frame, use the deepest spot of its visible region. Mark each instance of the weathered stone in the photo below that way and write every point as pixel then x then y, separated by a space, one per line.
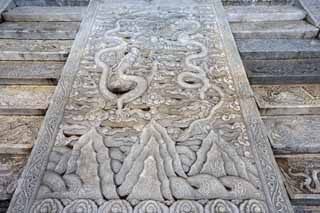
pixel 283 71
pixel 313 10
pixel 287 99
pixel 306 209
pixel 26 72
pixel 264 13
pixel 45 14
pixel 11 167
pixel 294 134
pixel 60 3
pixel 302 177
pixel 25 100
pixel 39 30
pixel 18 133
pixel 153 108
pixel 4 5
pixel 278 30
pixel 42 50
pixel 256 49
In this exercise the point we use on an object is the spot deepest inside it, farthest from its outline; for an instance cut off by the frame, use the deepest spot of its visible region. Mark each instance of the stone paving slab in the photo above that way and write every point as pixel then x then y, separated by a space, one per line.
pixel 34 50
pixel 153 112
pixel 313 10
pixel 301 174
pixel 25 100
pixel 275 29
pixel 295 71
pixel 30 72
pixel 39 30
pixel 287 99
pixel 294 134
pixel 52 14
pixel 275 49
pixel 264 13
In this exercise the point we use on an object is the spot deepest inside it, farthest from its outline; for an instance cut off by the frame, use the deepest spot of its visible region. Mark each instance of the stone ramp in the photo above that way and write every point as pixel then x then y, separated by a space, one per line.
pixel 153 111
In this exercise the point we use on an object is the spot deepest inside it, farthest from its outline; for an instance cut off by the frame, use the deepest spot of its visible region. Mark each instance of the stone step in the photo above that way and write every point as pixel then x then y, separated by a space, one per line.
pixel 39 30
pixel 37 50
pixel 18 133
pixel 264 13
pixel 25 100
pixel 292 71
pixel 306 209
pixel 268 30
pixel 256 49
pixel 288 99
pixel 11 167
pixel 294 134
pixel 30 13
pixel 29 72
pixel 301 176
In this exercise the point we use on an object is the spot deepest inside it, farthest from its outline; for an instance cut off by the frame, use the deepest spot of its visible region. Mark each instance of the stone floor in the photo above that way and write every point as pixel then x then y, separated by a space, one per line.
pixel 151 141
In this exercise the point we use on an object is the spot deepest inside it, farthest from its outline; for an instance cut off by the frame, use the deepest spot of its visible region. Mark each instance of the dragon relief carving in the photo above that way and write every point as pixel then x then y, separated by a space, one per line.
pixel 155 131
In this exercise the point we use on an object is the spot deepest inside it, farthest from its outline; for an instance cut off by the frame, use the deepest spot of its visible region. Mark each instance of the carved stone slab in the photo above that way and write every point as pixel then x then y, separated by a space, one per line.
pixel 302 177
pixel 30 72
pixel 297 134
pixel 313 10
pixel 288 99
pixel 25 100
pixel 153 113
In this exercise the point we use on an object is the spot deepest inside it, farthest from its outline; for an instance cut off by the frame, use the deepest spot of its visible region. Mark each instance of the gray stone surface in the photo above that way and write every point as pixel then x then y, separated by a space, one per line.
pixel 18 133
pixel 30 72
pixel 25 100
pixel 4 5
pixel 37 50
pixel 302 177
pixel 283 71
pixel 11 166
pixel 60 3
pixel 294 134
pixel 39 30
pixel 153 113
pixel 256 49
pixel 313 10
pixel 54 14
pixel 279 29
pixel 306 209
pixel 288 99
pixel 264 13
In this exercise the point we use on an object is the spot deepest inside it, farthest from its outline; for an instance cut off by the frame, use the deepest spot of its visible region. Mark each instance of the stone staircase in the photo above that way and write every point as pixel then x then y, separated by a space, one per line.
pixel 34 45
pixel 280 48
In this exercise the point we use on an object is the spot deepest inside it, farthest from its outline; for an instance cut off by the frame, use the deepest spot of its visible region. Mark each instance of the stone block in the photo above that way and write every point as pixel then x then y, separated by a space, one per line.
pixel 275 49
pixel 25 100
pixel 39 30
pixel 287 99
pixel 294 134
pixel 276 30
pixel 34 50
pixel 294 71
pixel 301 174
pixel 263 13
pixel 48 14
pixel 30 72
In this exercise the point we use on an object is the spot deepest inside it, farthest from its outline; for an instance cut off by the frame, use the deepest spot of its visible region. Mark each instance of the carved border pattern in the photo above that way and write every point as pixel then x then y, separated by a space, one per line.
pixel 269 173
